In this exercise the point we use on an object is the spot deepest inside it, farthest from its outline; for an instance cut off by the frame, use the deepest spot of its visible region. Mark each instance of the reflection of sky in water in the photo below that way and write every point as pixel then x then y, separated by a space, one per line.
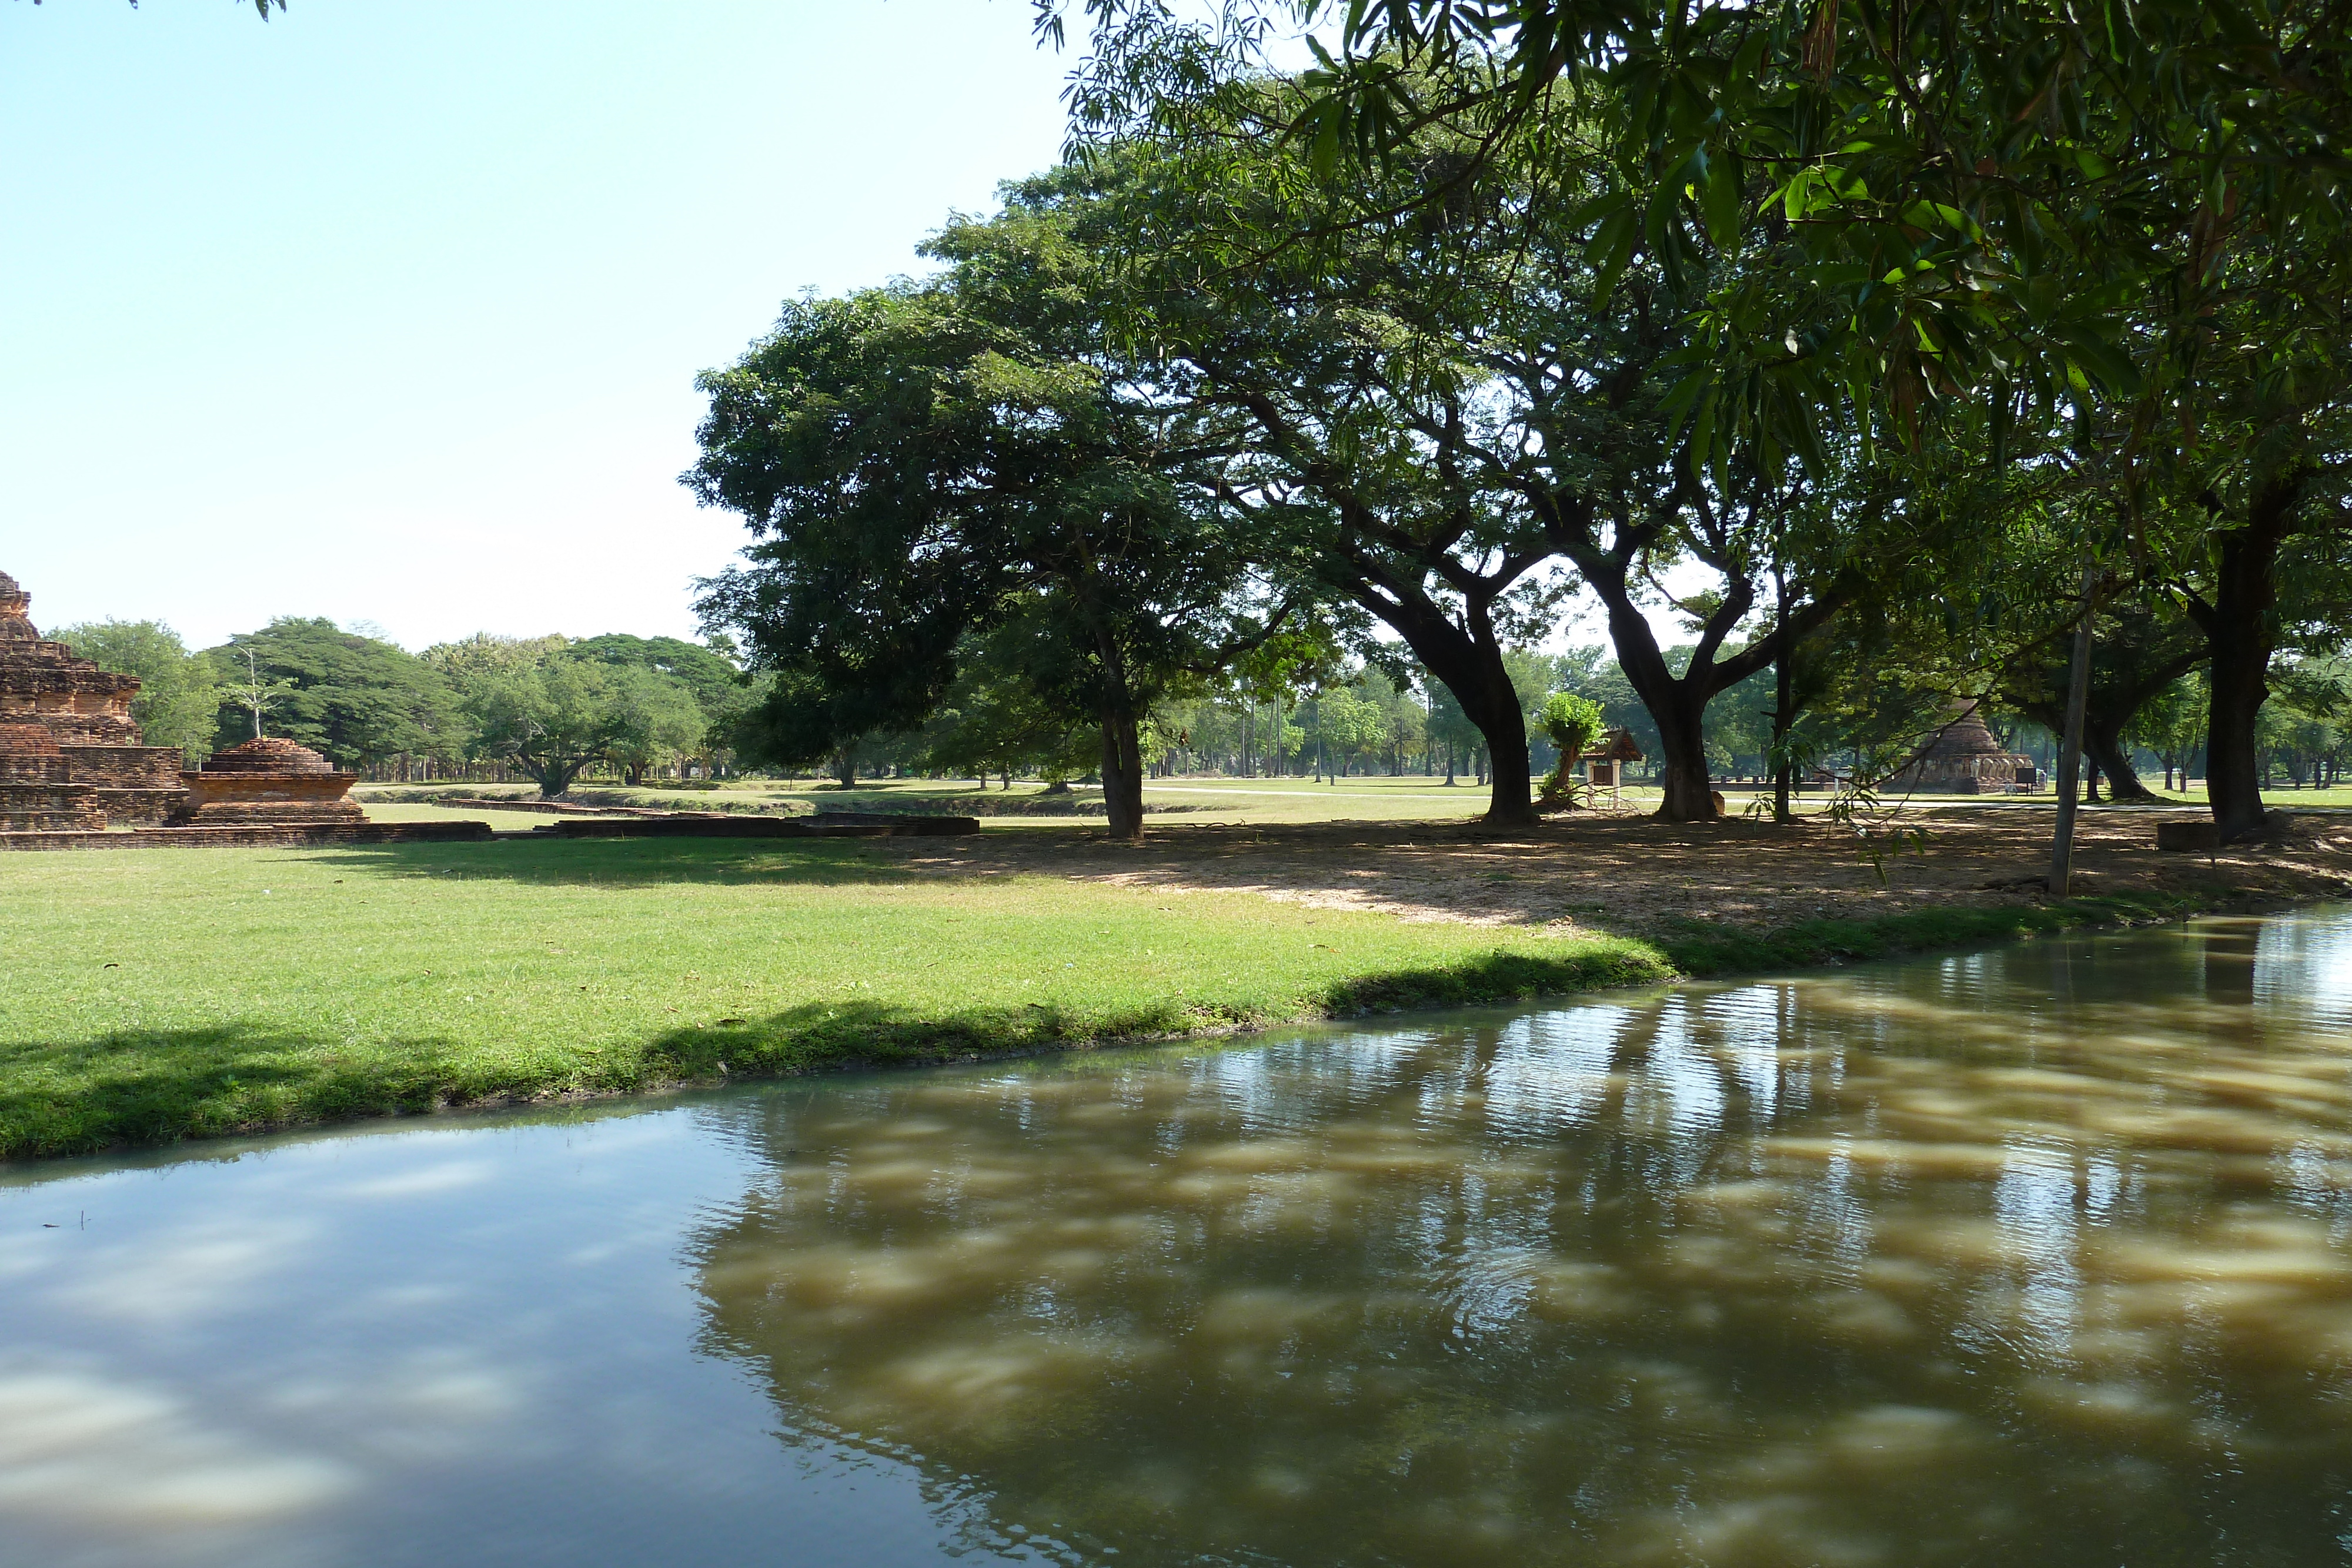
pixel 408 1347
pixel 2035 1198
pixel 2034 1256
pixel 2303 968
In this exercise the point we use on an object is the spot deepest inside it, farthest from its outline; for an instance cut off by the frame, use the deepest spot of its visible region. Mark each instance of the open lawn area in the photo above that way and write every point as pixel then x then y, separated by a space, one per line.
pixel 154 994
pixel 1169 801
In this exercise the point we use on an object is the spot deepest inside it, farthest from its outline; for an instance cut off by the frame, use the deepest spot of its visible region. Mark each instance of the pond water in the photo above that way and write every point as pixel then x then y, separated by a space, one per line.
pixel 2035 1255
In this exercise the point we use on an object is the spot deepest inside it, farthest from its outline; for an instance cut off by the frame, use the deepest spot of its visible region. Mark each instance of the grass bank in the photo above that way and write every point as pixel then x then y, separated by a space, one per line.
pixel 148 995
pixel 1696 949
pixel 159 994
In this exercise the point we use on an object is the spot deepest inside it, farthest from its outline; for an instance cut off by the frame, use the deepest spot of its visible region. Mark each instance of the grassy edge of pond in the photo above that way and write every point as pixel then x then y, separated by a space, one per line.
pixel 214 1074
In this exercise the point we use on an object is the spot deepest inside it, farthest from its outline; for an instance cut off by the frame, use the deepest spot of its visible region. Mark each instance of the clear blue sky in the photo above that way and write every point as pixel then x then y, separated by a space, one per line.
pixel 391 312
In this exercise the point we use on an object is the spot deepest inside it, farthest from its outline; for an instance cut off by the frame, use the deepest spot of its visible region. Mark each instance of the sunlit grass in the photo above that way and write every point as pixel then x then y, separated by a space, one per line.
pixel 154 994
pixel 1288 799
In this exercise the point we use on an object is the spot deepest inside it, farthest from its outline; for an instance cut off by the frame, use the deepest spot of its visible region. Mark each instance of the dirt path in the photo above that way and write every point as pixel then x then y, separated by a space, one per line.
pixel 1633 875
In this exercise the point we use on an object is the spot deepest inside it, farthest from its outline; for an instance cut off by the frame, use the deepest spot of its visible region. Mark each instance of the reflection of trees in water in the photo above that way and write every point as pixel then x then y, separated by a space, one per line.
pixel 1981 1250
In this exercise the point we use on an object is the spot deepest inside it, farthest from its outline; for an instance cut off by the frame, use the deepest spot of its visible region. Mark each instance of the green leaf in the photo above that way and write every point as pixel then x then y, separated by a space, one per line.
pixel 1611 250
pixel 1718 194
pixel 2102 360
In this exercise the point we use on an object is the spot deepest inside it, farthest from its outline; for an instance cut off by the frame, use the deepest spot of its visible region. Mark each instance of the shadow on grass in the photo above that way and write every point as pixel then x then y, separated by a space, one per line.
pixel 1698 949
pixel 137 1086
pixel 636 863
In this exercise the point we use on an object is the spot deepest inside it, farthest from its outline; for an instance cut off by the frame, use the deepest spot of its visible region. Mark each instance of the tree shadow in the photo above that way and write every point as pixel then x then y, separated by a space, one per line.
pixel 634 862
pixel 135 1086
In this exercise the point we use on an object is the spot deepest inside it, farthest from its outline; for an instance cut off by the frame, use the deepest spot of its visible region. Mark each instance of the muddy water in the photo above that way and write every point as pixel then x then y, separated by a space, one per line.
pixel 2037 1256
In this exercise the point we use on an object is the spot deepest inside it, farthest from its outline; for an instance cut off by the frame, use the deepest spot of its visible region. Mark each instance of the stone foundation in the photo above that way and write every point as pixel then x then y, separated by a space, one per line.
pixel 140 808
pixel 126 767
pixel 280 837
pixel 37 793
pixel 268 779
pixel 49 808
pixel 63 707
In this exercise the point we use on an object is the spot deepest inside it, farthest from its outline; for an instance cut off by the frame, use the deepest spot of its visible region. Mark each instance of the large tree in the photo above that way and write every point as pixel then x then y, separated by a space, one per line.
pixel 551 718
pixel 357 699
pixel 1474 399
pixel 922 463
pixel 2128 216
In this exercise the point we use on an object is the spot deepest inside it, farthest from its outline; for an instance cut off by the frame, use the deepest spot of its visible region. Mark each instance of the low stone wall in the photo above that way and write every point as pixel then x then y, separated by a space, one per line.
pixel 48 807
pixel 139 808
pixel 125 767
pixel 283 837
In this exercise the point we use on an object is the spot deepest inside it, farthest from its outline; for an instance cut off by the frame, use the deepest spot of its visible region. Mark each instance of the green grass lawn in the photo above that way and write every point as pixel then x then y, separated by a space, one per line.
pixel 1375 798
pixel 153 994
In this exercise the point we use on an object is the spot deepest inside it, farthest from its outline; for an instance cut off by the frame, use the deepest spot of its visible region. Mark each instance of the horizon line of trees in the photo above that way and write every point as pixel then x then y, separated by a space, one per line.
pixel 493 709
pixel 487 707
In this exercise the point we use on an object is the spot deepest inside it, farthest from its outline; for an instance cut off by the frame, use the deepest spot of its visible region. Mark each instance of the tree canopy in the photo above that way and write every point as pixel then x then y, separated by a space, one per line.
pixel 356 700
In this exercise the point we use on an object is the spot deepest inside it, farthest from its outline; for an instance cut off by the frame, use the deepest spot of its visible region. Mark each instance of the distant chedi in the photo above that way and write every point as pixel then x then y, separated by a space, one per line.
pixel 72 759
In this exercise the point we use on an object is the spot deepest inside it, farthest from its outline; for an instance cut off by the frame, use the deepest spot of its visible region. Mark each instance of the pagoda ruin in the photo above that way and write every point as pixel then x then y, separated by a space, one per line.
pixel 1964 757
pixel 71 756
pixel 268 782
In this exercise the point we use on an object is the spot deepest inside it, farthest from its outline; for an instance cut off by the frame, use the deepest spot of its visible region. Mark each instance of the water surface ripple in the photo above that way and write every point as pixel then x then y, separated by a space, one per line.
pixel 2035 1255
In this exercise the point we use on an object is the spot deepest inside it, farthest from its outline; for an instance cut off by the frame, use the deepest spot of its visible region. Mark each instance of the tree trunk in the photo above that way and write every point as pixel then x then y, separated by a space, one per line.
pixel 1689 792
pixel 553 778
pixel 1469 661
pixel 2242 656
pixel 2070 743
pixel 1122 773
pixel 2110 755
pixel 2239 627
pixel 1784 702
pixel 1678 704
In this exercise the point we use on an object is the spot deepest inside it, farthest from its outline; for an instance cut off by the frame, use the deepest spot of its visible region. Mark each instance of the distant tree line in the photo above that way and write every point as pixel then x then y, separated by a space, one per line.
pixel 546 709
pixel 635 710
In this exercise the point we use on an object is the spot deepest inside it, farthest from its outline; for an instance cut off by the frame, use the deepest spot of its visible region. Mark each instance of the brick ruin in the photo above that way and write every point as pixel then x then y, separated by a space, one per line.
pixel 71 756
pixel 265 782
pixel 1964 759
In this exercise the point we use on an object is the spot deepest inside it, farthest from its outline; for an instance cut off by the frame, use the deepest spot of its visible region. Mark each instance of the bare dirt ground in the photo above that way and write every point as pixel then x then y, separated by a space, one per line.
pixel 1633 875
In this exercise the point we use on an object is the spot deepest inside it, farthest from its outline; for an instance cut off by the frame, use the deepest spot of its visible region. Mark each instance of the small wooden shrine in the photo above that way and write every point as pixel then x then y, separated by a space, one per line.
pixel 1605 769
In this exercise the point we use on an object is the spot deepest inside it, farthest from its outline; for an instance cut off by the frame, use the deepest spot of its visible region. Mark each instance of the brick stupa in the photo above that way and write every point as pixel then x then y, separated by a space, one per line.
pixel 268 782
pixel 1964 759
pixel 71 754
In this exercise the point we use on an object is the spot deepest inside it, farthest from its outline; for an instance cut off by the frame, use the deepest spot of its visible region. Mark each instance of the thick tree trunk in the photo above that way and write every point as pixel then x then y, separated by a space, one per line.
pixel 1470 662
pixel 1784 715
pixel 1122 773
pixel 553 779
pixel 1678 704
pixel 2234 783
pixel 2239 628
pixel 2103 739
pixel 1689 792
